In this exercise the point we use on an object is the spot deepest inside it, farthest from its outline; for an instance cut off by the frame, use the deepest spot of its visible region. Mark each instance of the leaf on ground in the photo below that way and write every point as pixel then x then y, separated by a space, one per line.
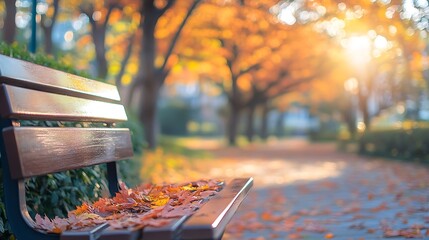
pixel 329 236
pixel 407 233
pixel 381 207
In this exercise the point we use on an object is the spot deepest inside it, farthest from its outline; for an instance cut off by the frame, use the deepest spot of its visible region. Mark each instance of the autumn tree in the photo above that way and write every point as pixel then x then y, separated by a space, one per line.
pixel 381 47
pixel 237 36
pixel 292 67
pixel 154 56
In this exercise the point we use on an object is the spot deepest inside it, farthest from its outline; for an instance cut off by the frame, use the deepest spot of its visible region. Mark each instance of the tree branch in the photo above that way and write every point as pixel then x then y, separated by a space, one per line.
pixel 125 60
pixel 88 12
pixel 253 67
pixel 112 6
pixel 177 34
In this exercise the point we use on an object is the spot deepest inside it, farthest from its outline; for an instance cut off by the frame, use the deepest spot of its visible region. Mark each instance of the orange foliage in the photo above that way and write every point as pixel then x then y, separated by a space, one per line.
pixel 146 205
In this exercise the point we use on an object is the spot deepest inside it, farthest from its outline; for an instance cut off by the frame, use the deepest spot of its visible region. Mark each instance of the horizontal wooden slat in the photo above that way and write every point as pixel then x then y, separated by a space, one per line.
pixel 89 234
pixel 210 221
pixel 34 151
pixel 21 73
pixel 126 234
pixel 21 103
pixel 168 232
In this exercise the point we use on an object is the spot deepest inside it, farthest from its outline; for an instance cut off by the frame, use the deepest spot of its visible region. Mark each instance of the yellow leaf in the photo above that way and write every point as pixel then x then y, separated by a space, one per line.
pixel 160 201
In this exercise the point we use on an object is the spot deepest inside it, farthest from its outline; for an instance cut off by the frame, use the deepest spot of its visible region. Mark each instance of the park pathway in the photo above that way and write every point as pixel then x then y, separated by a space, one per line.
pixel 312 191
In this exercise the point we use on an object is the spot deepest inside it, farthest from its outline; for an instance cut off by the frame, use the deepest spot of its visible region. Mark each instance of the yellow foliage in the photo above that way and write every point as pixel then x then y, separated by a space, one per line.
pixel 114 67
pixel 126 79
pixel 121 26
pixel 176 69
pixel 132 67
pixel 159 60
pixel 128 10
pixel 193 65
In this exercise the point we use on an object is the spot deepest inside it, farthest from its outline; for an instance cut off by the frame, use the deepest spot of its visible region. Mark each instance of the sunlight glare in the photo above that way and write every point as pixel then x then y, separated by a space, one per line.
pixel 286 15
pixel 361 126
pixel 409 10
pixel 393 30
pixel 390 12
pixel 358 49
pixel 422 3
pixel 68 36
pixel 342 6
pixel 381 43
pixel 274 172
pixel 42 7
pixel 351 85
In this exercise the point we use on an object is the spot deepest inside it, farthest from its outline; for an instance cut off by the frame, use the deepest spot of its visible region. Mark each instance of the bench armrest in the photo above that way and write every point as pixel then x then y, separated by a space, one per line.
pixel 210 221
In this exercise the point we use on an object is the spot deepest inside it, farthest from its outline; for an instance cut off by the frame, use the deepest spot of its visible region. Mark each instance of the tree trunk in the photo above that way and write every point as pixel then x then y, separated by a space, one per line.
pixel 9 29
pixel 250 123
pixel 264 122
pixel 234 118
pixel 147 77
pixel 148 112
pixel 350 119
pixel 363 105
pixel 280 130
pixel 48 40
pixel 47 27
pixel 99 35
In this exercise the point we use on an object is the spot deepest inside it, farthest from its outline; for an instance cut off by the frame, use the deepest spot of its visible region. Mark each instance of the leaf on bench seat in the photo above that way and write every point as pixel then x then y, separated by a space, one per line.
pixel 146 205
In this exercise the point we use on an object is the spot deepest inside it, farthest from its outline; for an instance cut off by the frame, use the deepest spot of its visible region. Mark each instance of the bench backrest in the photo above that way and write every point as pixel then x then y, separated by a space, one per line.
pixel 32 92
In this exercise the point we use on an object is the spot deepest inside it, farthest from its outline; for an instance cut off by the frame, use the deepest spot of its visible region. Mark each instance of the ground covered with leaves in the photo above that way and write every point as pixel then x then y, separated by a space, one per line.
pixel 312 191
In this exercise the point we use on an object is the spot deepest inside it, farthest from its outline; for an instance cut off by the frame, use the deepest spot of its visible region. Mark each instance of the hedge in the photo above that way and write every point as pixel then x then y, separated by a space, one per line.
pixel 407 144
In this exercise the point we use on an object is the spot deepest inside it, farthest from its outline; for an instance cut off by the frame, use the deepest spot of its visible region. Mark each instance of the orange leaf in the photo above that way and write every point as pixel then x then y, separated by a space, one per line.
pixel 329 236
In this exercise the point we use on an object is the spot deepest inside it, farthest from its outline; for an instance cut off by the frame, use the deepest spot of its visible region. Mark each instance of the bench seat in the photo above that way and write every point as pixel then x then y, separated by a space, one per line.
pixel 32 92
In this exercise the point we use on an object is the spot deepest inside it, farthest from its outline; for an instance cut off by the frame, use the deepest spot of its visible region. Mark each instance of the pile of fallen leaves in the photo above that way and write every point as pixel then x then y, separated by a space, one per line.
pixel 146 205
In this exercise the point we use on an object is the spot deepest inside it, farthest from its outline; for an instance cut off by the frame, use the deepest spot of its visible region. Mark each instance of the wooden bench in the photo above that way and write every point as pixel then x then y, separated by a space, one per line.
pixel 32 92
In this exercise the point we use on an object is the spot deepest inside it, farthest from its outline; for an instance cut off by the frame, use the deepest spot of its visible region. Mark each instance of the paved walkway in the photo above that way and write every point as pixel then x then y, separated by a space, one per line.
pixel 312 191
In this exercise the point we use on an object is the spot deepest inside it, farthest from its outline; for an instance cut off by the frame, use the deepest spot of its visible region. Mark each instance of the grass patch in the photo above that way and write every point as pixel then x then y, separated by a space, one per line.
pixel 175 160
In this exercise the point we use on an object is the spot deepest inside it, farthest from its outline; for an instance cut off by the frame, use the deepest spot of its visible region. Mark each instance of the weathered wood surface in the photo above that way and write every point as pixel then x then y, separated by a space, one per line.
pixel 22 103
pixel 29 75
pixel 34 151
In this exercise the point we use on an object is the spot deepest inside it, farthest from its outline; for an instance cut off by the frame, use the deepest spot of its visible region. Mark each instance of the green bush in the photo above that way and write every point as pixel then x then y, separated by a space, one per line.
pixel 180 113
pixel 20 52
pixel 323 136
pixel 407 144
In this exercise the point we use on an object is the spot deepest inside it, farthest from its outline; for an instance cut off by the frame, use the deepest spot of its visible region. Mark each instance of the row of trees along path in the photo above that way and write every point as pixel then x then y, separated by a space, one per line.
pixel 250 50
